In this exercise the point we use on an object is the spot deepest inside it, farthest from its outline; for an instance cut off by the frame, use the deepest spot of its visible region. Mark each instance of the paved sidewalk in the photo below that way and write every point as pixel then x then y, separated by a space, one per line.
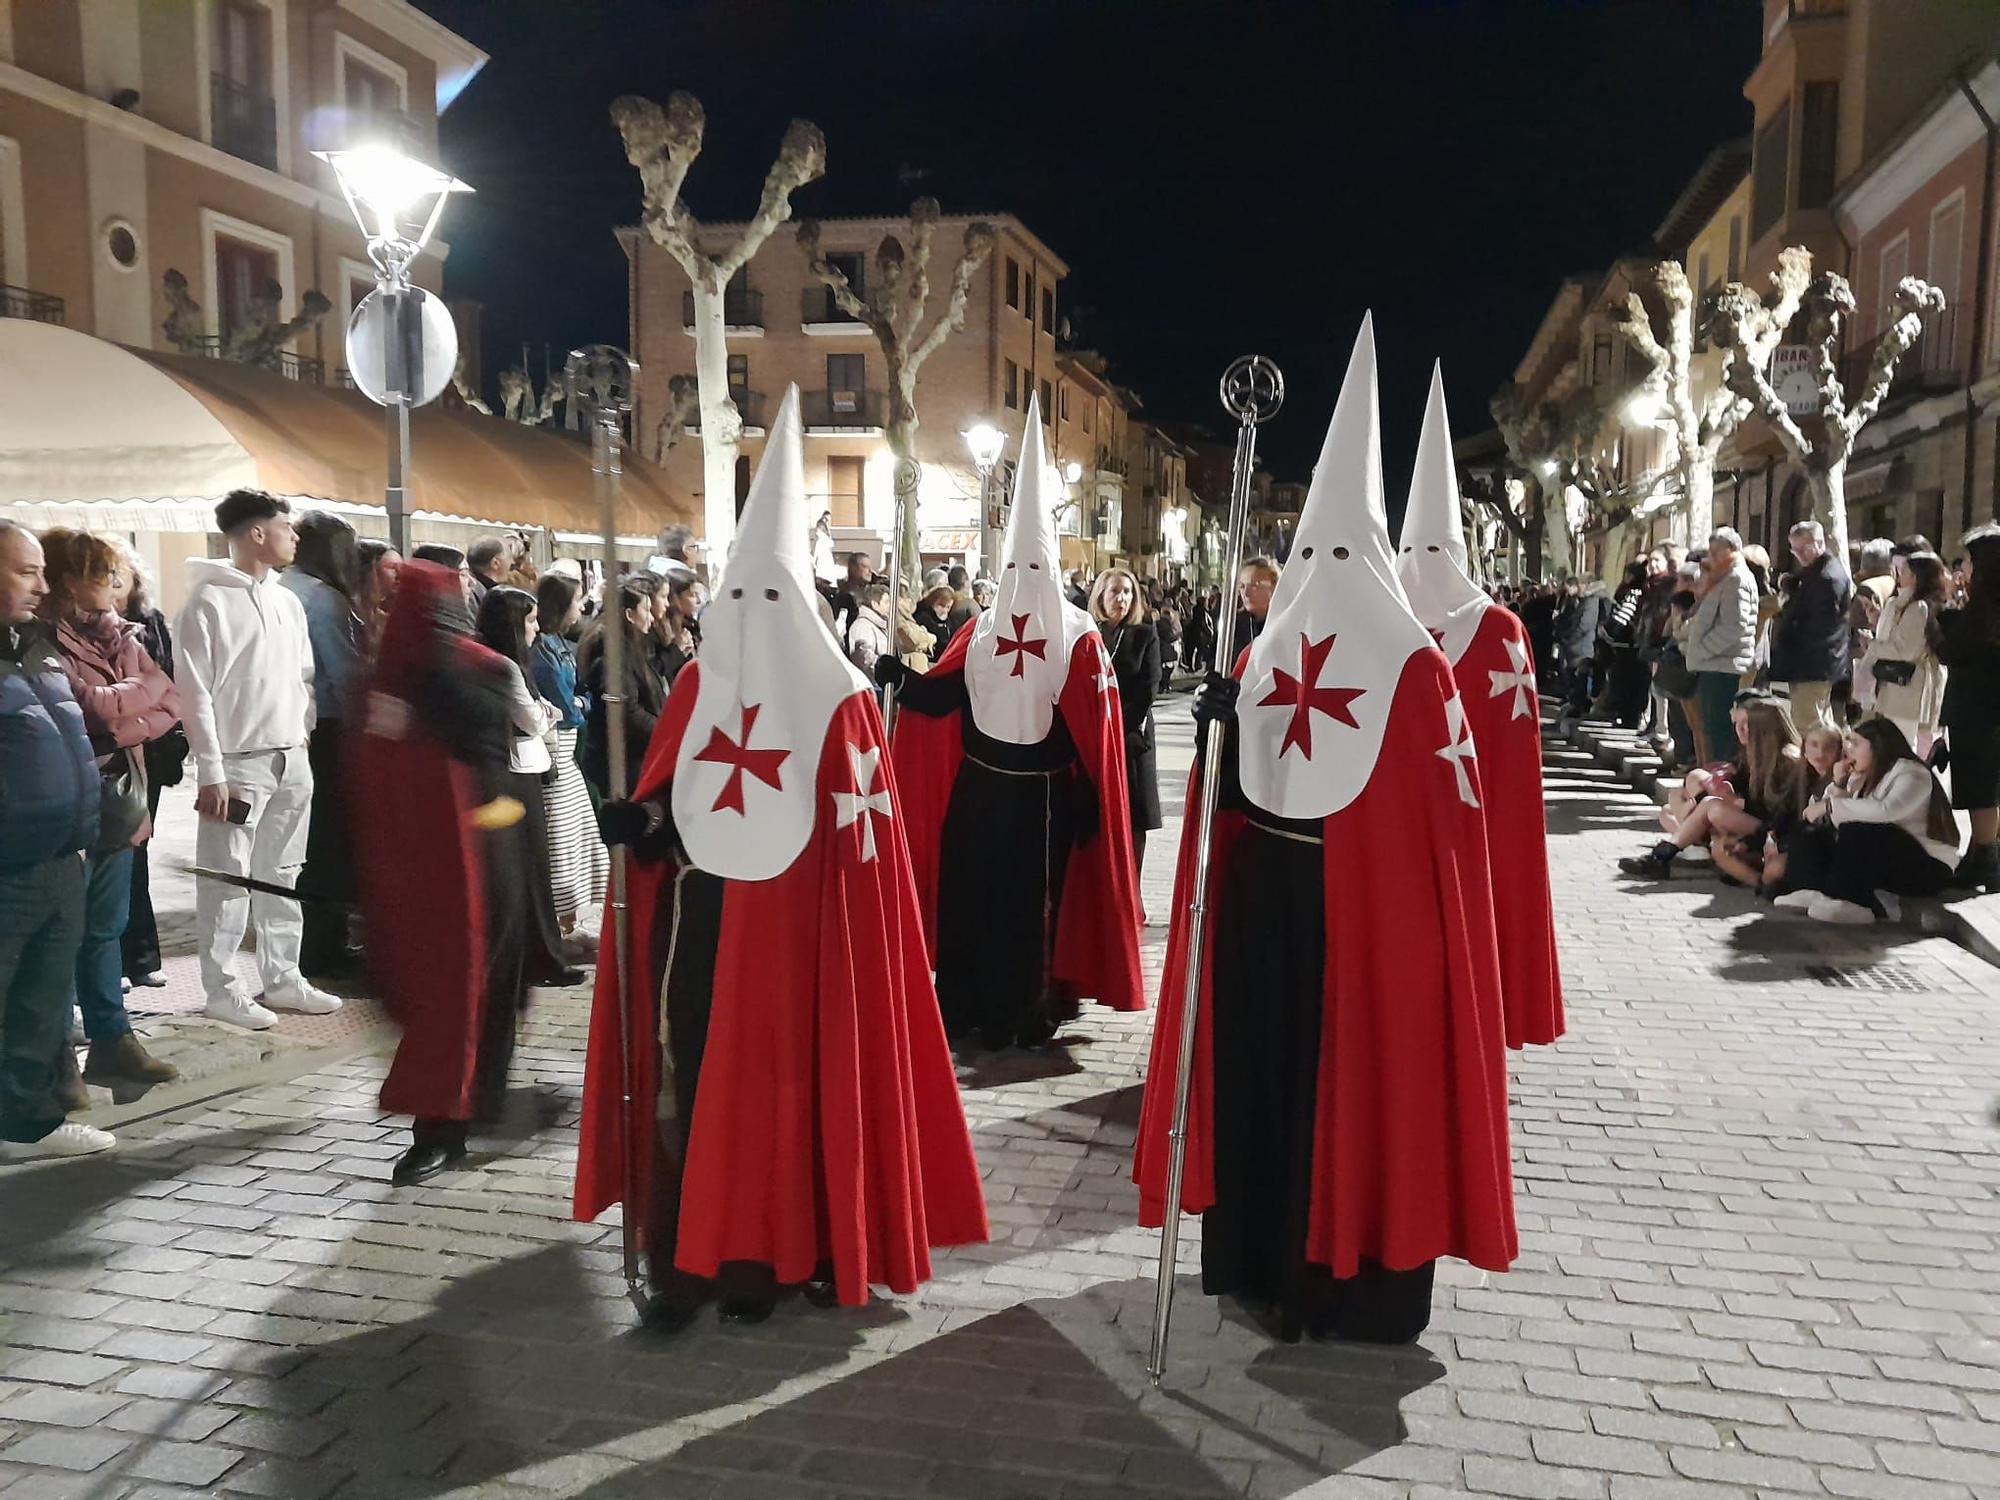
pixel 1759 1196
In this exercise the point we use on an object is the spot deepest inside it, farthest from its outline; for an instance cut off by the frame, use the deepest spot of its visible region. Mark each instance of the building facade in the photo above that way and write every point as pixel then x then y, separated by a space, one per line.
pixel 142 136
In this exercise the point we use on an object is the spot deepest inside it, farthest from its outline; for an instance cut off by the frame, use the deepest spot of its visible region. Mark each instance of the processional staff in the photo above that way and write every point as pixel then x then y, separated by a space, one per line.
pixel 1252 390
pixel 598 381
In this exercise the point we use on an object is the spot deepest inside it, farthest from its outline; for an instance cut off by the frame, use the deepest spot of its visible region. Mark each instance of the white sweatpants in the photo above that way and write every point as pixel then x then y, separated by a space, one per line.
pixel 270 846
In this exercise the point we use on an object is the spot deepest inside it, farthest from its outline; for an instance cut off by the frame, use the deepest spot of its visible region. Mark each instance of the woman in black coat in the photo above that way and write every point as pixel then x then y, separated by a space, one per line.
pixel 1968 643
pixel 1134 647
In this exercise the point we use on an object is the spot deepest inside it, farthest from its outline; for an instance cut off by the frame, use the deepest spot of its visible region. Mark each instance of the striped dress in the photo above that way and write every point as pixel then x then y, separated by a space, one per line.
pixel 579 865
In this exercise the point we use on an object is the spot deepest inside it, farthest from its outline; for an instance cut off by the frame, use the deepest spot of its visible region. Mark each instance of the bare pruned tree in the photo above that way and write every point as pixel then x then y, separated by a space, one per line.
pixel 259 339
pixel 1557 447
pixel 894 309
pixel 1819 445
pixel 683 401
pixel 662 144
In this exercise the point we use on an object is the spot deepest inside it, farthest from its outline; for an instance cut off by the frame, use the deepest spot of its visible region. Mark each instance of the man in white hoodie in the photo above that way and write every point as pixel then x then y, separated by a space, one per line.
pixel 244 668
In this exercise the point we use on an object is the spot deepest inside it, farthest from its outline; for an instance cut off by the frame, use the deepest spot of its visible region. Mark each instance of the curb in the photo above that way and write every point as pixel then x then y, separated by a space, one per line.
pixel 1629 755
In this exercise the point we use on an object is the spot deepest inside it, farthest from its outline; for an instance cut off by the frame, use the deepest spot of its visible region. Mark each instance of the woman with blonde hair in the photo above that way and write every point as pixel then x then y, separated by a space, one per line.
pixel 1757 793
pixel 1133 643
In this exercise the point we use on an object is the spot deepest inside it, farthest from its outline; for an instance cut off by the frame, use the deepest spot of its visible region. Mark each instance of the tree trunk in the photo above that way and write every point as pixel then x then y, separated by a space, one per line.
pixel 721 424
pixel 1621 545
pixel 1697 513
pixel 1829 495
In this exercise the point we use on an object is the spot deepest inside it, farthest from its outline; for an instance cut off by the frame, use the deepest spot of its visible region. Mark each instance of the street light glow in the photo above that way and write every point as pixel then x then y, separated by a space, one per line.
pixel 1645 408
pixel 390 186
pixel 986 443
pixel 1072 472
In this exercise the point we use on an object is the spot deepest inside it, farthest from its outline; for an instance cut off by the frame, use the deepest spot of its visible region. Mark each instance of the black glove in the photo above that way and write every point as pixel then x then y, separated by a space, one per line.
pixel 1215 701
pixel 622 822
pixel 1084 818
pixel 890 671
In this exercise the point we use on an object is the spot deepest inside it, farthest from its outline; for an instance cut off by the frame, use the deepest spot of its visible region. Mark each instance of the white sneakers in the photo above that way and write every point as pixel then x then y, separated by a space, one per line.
pixel 71 1138
pixel 239 1010
pixel 1797 900
pixel 1846 913
pixel 299 996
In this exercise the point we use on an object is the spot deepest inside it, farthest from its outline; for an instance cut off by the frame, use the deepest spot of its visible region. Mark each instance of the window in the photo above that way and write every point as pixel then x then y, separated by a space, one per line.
pixel 1013 388
pixel 243 117
pixel 1028 305
pixel 358 291
pixel 1947 248
pixel 1013 282
pixel 1768 160
pixel 845 486
pixel 1600 359
pixel 1735 248
pixel 1087 406
pixel 1819 129
pixel 739 377
pixel 374 90
pixel 1048 403
pixel 846 382
pixel 1048 309
pixel 851 264
pixel 371 94
pixel 1701 274
pixel 1895 266
pixel 243 272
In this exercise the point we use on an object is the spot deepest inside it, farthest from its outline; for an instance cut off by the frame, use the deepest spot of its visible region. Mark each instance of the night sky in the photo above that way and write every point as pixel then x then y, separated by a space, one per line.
pixel 1221 177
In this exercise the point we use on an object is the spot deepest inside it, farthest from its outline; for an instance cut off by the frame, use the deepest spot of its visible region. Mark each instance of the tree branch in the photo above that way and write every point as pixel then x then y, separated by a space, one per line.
pixel 835 280
pixel 662 144
pixel 979 242
pixel 801 159
pixel 1916 298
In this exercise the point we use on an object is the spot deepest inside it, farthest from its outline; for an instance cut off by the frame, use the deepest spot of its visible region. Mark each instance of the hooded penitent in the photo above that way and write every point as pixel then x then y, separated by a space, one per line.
pixel 773 921
pixel 1494 667
pixel 1358 778
pixel 1019 657
pixel 771 677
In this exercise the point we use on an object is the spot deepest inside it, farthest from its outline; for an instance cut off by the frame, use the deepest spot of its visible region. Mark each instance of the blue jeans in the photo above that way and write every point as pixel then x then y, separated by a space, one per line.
pixel 41 918
pixel 100 962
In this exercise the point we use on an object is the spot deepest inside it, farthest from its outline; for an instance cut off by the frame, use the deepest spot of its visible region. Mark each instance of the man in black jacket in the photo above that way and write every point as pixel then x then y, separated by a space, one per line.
pixel 1809 639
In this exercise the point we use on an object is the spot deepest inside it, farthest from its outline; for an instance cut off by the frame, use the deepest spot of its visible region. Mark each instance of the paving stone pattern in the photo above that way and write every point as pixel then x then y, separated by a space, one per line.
pixel 1759 1257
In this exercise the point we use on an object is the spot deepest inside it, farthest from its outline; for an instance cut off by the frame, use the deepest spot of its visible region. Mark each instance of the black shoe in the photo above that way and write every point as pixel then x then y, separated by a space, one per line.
pixel 748 1310
pixel 425 1160
pixel 561 979
pixel 821 1292
pixel 1980 869
pixel 1658 864
pixel 666 1313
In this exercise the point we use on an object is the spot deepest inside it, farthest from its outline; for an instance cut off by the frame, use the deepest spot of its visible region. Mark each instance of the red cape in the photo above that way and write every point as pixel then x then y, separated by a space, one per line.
pixel 1097 930
pixel 1410 1133
pixel 827 1123
pixel 1517 841
pixel 419 872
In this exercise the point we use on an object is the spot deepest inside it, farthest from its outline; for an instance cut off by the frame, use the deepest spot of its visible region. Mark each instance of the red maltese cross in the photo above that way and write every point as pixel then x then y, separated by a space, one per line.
pixel 721 750
pixel 1021 646
pixel 1303 694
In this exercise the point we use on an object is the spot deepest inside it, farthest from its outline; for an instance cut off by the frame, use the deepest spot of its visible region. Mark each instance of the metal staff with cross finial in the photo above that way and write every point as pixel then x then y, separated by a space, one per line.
pixel 1252 389
pixel 598 382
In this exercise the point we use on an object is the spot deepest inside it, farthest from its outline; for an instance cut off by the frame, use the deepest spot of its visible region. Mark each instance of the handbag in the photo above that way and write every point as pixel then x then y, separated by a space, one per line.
pixel 121 803
pixel 1895 673
pixel 1670 672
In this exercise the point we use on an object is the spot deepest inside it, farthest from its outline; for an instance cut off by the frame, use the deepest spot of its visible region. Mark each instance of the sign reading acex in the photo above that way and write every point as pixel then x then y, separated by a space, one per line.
pixel 1795 377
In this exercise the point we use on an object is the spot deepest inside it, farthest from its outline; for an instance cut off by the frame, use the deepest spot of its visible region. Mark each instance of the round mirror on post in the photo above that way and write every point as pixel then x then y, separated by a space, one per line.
pixel 368 348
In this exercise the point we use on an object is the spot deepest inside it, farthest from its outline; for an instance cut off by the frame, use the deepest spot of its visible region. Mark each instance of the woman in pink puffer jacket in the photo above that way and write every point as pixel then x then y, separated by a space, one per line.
pixel 126 700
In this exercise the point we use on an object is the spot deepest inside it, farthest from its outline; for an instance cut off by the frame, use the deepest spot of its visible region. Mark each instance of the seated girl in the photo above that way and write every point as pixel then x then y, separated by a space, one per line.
pixel 1882 826
pixel 1761 865
pixel 1758 790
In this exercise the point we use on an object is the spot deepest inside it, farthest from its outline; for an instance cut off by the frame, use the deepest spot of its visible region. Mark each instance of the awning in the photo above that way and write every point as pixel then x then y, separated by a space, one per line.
pixel 82 420
pixel 149 441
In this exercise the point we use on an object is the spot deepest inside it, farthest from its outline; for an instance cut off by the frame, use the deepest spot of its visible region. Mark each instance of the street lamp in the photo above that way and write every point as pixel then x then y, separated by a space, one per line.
pixel 986 442
pixel 397 202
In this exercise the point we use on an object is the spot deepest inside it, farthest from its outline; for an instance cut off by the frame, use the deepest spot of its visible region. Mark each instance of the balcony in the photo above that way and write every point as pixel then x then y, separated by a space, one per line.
pixel 742 313
pixel 242 122
pixel 36 307
pixel 820 315
pixel 1933 363
pixel 749 406
pixel 284 362
pixel 843 411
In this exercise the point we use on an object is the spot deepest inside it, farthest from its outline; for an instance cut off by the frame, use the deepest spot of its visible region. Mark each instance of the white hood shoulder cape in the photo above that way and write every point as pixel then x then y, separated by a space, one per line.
pixel 1432 565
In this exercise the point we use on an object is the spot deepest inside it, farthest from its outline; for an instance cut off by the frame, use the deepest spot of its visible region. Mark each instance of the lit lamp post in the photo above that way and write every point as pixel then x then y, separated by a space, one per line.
pixel 985 443
pixel 397 202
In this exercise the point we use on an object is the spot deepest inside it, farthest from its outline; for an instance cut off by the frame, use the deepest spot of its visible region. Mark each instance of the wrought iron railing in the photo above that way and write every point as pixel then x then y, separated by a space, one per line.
pixel 242 121
pixel 37 307
pixel 739 309
pixel 817 305
pixel 859 411
pixel 283 361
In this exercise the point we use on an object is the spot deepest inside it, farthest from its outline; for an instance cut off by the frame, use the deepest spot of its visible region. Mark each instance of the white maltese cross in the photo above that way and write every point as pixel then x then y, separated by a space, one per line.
pixel 1520 682
pixel 1458 749
pixel 863 803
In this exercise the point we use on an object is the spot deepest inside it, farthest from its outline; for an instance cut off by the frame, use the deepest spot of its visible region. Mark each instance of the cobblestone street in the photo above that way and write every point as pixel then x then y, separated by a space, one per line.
pixel 1759 1199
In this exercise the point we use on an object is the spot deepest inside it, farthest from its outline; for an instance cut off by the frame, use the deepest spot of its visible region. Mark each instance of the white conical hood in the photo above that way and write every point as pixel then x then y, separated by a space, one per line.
pixel 1321 677
pixel 1018 659
pixel 1432 563
pixel 770 678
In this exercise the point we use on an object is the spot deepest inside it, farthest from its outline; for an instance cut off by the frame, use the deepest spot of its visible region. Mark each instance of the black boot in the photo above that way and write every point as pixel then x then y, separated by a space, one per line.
pixel 1656 865
pixel 435 1146
pixel 1979 870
